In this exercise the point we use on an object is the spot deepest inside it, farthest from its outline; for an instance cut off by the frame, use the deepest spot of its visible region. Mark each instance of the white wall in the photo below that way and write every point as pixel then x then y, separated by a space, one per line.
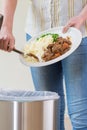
pixel 12 73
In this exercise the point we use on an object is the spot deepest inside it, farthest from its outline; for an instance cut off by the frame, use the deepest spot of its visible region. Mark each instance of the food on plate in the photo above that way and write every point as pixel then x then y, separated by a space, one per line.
pixel 47 47
pixel 56 49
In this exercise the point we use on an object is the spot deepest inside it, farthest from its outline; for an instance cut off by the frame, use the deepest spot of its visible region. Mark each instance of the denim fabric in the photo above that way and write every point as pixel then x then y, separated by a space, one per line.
pixel 74 70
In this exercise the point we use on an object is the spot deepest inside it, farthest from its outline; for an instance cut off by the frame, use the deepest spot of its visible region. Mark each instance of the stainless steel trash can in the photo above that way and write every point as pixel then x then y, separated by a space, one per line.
pixel 29 110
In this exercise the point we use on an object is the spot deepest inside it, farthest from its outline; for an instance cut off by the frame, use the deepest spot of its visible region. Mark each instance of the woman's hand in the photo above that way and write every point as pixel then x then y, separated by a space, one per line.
pixel 74 22
pixel 7 40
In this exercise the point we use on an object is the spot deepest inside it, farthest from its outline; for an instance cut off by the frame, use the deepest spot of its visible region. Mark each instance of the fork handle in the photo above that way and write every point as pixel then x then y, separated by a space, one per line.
pixel 17 51
pixel 1 20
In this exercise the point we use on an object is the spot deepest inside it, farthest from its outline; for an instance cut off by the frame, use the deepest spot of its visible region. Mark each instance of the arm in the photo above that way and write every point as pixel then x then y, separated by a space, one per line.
pixel 77 21
pixel 6 36
pixel 83 14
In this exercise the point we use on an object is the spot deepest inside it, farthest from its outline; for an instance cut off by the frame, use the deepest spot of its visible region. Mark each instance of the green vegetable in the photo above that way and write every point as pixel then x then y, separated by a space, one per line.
pixel 54 36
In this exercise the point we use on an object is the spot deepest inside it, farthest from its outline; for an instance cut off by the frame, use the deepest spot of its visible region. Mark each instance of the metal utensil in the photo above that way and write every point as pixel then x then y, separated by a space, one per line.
pixel 28 54
pixel 1 20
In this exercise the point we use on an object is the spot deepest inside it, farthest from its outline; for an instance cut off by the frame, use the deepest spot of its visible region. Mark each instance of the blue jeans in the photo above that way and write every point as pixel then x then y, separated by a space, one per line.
pixel 74 70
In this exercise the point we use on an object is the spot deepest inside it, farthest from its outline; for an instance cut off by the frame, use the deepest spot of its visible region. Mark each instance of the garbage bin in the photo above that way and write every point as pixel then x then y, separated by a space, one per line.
pixel 29 110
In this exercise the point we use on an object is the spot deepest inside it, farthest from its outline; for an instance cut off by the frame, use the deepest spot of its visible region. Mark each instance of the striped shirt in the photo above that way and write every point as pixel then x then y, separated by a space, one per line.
pixel 45 14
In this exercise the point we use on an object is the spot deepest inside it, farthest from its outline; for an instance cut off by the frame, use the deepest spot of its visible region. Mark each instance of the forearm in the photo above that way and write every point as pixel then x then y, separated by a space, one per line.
pixel 8 10
pixel 83 13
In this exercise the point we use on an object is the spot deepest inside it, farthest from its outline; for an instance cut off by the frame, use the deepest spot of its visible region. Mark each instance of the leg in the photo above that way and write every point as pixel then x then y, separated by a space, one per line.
pixel 75 70
pixel 50 78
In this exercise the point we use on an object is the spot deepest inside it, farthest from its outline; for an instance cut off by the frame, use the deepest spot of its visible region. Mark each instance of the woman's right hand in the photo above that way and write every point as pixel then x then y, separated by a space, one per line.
pixel 7 41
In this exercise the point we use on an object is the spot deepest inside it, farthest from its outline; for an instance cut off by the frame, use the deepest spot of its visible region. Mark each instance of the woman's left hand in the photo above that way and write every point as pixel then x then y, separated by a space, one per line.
pixel 73 22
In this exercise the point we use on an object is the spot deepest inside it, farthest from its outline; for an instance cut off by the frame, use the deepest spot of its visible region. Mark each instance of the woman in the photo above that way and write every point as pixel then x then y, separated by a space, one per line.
pixel 47 14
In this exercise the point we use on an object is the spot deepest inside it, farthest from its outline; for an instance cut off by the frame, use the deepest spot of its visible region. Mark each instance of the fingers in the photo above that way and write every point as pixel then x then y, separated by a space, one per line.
pixel 7 43
pixel 66 27
pixel 1 43
pixel 11 45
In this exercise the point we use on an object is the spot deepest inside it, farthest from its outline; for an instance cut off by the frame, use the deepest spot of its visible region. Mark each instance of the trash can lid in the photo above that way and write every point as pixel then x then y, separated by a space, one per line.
pixel 26 95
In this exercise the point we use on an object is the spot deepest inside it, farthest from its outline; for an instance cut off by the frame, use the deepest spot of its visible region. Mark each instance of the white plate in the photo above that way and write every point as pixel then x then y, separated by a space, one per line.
pixel 75 36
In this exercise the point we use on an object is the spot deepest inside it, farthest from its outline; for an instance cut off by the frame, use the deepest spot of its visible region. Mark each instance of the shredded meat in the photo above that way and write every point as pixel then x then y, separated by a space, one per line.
pixel 56 49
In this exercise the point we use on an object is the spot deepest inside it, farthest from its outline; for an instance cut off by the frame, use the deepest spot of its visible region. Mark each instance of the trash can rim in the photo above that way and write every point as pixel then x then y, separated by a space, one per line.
pixel 27 95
